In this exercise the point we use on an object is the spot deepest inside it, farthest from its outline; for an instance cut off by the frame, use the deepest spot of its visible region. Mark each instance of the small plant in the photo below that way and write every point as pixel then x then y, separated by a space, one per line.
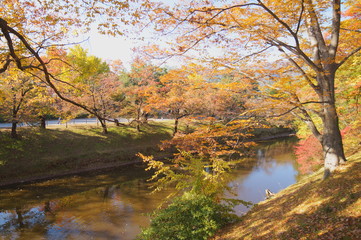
pixel 191 216
pixel 190 173
pixel 200 172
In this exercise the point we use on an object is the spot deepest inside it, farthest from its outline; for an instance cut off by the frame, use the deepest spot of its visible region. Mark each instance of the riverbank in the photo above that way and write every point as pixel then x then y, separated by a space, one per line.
pixel 60 150
pixel 309 209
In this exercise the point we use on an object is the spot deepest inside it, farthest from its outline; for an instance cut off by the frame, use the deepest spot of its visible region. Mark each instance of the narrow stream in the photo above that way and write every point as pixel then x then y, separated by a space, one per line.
pixel 114 205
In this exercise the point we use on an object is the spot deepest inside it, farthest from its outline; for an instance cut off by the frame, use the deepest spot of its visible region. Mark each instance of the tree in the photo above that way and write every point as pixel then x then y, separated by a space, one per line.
pixel 95 86
pixel 141 83
pixel 191 216
pixel 312 42
pixel 41 105
pixel 15 87
pixel 195 91
pixel 51 22
pixel 178 96
pixel 349 93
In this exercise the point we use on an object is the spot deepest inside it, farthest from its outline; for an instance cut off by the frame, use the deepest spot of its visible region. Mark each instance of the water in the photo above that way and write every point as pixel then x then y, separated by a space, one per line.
pixel 59 122
pixel 71 122
pixel 114 205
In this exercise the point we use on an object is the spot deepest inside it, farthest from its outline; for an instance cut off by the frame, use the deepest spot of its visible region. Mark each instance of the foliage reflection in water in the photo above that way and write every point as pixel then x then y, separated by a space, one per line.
pixel 114 205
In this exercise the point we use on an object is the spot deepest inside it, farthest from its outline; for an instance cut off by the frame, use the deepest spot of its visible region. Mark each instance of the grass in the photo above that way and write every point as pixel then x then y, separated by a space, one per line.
pixel 59 149
pixel 310 209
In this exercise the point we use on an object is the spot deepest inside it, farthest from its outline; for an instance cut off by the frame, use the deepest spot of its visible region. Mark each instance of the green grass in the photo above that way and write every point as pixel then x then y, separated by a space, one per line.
pixel 59 149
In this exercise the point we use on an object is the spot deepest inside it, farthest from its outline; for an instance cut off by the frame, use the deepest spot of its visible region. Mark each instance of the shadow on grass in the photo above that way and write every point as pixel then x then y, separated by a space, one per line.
pixel 51 150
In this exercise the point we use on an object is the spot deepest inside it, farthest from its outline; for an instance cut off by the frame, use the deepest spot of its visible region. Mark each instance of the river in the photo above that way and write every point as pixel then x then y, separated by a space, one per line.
pixel 115 204
pixel 75 121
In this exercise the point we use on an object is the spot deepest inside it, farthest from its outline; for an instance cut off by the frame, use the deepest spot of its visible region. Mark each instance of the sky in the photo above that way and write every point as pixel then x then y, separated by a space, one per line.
pixel 110 48
pixel 118 48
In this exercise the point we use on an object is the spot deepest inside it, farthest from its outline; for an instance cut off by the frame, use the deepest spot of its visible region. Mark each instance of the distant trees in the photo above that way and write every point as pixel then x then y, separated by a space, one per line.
pixel 141 83
pixel 93 85
pixel 178 97
pixel 29 28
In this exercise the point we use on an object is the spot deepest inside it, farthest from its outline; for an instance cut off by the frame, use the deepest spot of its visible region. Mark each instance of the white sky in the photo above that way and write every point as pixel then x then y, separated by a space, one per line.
pixel 110 48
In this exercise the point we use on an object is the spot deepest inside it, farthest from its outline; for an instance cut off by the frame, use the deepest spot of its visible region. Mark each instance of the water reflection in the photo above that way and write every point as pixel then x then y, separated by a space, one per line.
pixel 113 205
pixel 274 168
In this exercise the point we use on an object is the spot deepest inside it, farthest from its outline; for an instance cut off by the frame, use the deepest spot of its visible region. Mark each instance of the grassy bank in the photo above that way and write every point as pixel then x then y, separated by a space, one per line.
pixel 310 209
pixel 58 149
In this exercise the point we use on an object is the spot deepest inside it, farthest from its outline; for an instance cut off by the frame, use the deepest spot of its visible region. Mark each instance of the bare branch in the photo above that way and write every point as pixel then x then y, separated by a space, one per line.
pixel 296 51
pixel 320 50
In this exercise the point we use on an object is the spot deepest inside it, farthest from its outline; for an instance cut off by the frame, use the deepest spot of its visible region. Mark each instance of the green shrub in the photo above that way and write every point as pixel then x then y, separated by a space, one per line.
pixel 190 217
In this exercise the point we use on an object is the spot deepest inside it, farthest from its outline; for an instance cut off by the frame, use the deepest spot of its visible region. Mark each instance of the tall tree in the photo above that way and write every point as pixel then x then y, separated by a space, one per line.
pixel 312 42
pixel 178 97
pixel 96 87
pixel 141 83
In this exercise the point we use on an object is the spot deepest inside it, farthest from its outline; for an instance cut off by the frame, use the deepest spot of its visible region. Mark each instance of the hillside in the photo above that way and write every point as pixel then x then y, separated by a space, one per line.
pixel 310 209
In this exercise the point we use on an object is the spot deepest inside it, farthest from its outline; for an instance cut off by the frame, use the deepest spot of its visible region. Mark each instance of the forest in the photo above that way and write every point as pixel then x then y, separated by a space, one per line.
pixel 207 82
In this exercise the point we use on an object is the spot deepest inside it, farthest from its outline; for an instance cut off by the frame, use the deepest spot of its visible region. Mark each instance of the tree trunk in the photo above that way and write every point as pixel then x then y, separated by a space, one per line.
pixel 42 122
pixel 138 126
pixel 332 141
pixel 138 119
pixel 104 125
pixel 14 123
pixel 175 130
pixel 14 133
pixel 116 122
pixel 331 138
pixel 20 217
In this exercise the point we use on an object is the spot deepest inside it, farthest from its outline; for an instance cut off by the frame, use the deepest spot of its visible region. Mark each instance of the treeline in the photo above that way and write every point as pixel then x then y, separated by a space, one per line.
pixel 107 91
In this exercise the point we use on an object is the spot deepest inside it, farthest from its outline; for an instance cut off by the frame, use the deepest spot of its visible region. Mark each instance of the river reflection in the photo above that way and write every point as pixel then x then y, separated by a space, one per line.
pixel 114 205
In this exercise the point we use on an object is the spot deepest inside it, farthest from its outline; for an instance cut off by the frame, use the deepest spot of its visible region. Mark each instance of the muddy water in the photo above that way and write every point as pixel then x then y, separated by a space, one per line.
pixel 114 205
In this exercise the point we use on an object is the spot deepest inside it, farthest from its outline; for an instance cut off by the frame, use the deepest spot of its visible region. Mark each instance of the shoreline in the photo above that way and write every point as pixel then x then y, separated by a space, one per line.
pixel 105 167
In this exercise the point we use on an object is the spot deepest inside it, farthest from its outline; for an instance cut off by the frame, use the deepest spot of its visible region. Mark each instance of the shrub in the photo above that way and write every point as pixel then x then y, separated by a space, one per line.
pixel 309 150
pixel 191 216
pixel 309 154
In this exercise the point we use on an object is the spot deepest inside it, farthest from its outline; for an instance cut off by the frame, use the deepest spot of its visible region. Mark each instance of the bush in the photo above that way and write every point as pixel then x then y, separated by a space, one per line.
pixel 191 216
pixel 309 154
pixel 309 151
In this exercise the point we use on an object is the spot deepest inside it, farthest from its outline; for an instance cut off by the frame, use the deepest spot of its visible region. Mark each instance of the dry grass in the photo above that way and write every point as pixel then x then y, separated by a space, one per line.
pixel 310 209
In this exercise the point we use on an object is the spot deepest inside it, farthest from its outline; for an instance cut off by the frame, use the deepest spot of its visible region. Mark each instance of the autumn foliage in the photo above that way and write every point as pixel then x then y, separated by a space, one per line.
pixel 309 154
pixel 309 151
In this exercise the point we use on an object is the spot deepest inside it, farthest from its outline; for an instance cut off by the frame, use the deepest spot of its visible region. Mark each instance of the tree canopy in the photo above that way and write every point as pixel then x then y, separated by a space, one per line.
pixel 289 51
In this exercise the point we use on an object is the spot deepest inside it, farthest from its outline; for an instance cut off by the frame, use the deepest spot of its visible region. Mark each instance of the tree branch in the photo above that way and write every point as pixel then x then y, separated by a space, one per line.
pixel 284 24
pixel 335 34
pixel 6 64
pixel 47 75
pixel 347 57
pixel 304 74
